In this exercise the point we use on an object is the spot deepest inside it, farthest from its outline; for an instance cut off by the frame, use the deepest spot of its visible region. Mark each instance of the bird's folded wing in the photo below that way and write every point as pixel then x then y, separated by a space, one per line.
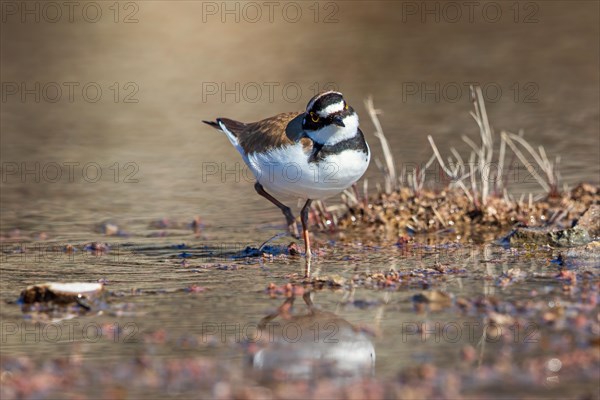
pixel 266 134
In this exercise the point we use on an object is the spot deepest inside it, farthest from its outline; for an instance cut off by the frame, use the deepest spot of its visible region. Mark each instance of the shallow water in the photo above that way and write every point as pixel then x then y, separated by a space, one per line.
pixel 150 297
pixel 141 158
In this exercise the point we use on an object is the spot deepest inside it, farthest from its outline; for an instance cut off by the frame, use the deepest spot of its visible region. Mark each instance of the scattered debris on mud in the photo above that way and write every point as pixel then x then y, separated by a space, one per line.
pixel 406 212
pixel 57 297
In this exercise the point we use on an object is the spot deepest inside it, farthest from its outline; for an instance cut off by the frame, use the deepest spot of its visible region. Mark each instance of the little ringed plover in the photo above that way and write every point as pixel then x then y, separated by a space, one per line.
pixel 310 155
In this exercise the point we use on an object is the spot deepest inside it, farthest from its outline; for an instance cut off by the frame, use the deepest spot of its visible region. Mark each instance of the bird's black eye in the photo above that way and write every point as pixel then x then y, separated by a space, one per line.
pixel 314 117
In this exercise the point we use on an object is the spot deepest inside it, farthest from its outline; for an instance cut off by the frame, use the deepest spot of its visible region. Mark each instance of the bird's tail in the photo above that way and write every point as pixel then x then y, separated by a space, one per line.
pixel 214 124
pixel 220 124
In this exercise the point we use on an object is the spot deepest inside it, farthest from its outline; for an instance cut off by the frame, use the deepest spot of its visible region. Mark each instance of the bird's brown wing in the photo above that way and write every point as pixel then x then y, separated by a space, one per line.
pixel 266 134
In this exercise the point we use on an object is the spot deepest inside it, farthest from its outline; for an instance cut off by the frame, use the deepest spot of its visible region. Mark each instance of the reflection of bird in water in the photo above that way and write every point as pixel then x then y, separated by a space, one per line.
pixel 315 344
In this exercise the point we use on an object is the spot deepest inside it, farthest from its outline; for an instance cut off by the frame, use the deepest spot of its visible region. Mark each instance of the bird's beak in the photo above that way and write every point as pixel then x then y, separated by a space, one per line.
pixel 339 121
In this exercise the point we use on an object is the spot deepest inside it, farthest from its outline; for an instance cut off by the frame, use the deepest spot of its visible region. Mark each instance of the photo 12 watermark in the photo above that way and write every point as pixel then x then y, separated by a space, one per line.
pixel 54 12
pixel 453 92
pixel 68 331
pixel 263 92
pixel 252 12
pixel 288 331
pixel 292 172
pixel 471 12
pixel 471 332
pixel 16 172
pixel 69 253
pixel 70 92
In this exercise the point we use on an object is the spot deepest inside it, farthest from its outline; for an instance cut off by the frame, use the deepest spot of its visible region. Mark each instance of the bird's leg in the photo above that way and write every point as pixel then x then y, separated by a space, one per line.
pixel 308 300
pixel 283 309
pixel 289 217
pixel 304 219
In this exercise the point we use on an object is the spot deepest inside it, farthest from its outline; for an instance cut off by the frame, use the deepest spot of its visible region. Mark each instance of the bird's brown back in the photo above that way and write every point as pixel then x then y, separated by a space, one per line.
pixel 269 133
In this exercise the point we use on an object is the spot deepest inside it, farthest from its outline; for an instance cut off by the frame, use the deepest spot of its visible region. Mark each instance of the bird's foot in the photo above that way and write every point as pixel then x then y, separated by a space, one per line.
pixel 293 229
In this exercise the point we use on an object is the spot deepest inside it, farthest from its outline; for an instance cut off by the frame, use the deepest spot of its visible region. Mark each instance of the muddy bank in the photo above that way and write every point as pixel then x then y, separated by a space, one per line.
pixel 405 212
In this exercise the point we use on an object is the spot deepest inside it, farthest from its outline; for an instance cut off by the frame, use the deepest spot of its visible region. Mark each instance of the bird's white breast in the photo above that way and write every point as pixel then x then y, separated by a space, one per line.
pixel 286 171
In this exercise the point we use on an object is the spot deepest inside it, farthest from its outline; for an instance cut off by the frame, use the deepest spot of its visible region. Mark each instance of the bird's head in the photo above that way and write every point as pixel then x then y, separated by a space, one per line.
pixel 329 119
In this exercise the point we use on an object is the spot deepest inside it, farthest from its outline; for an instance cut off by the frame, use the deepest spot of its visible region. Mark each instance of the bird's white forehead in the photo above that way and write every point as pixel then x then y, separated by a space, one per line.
pixel 332 108
pixel 314 99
